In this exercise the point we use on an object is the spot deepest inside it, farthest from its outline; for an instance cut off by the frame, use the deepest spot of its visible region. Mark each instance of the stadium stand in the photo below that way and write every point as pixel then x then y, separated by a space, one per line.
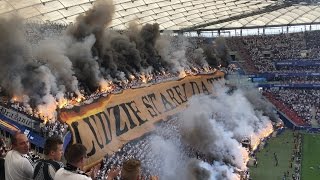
pixel 138 57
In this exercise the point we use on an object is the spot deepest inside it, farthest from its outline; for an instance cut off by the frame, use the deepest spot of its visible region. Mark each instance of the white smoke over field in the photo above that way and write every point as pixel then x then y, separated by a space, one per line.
pixel 212 127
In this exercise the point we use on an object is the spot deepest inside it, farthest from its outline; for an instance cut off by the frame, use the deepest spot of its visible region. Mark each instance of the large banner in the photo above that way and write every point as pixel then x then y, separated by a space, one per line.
pixel 107 124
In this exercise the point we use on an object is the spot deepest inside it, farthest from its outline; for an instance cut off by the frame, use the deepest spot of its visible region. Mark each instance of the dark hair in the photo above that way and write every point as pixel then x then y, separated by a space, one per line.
pixel 51 144
pixel 13 138
pixel 75 153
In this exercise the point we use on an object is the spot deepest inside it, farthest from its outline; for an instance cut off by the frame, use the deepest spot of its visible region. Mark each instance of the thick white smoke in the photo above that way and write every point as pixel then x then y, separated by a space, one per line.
pixel 172 159
pixel 213 126
pixel 173 51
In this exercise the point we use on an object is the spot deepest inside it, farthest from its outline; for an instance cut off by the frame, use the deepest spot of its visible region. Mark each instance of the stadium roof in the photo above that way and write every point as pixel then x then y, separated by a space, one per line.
pixel 187 15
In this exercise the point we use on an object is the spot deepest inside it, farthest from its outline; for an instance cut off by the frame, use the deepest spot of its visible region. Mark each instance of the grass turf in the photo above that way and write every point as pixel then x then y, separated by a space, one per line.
pixel 282 145
pixel 310 157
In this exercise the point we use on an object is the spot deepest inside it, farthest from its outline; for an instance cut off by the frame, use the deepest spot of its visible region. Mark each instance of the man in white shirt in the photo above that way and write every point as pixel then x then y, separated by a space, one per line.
pixel 17 165
pixel 76 156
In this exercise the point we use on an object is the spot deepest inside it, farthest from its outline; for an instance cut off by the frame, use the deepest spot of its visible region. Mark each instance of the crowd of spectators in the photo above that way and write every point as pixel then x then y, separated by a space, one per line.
pixel 54 128
pixel 3 147
pixel 305 102
pixel 260 53
pixel 46 128
pixel 281 106
pixel 296 80
pixel 114 87
pixel 297 69
pixel 141 149
pixel 35 32
pixel 312 39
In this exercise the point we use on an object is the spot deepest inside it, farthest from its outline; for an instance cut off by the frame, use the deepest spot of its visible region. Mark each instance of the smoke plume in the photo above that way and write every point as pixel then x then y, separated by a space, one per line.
pixel 23 78
pixel 214 127
pixel 256 98
pixel 94 21
pixel 85 58
pixel 53 54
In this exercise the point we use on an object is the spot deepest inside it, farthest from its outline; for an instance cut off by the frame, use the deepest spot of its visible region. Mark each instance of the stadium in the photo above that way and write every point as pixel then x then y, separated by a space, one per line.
pixel 187 90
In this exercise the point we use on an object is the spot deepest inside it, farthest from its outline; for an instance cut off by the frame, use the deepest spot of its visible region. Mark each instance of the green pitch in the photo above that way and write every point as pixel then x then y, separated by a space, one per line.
pixel 310 157
pixel 283 146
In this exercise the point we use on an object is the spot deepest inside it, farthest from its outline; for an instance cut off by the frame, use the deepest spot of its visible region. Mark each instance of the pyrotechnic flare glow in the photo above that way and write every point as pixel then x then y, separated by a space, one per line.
pixel 259 136
pixel 104 87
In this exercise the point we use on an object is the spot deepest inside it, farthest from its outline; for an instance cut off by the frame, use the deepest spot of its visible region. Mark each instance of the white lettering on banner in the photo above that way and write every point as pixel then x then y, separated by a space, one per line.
pixel 20 118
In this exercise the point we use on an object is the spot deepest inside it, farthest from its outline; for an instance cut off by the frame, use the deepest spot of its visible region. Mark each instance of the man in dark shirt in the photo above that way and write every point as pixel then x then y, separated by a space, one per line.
pixel 45 169
pixel 2 176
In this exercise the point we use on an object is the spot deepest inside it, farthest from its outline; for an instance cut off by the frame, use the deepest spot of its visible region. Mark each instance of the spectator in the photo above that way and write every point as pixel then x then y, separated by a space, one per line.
pixel 76 157
pixel 45 169
pixel 18 166
pixel 3 148
pixel 131 169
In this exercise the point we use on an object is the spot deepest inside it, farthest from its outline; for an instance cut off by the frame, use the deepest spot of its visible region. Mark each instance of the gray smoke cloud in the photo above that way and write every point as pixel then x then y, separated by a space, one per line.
pixel 84 57
pixel 132 51
pixel 172 160
pixel 216 52
pixel 14 54
pixel 221 123
pixel 217 171
pixel 86 42
pixel 129 52
pixel 85 65
pixel 53 53
pixel 173 52
pixel 255 97
pixel 94 21
pixel 145 38
pixel 30 81
pixel 210 136
pixel 213 126
pixel 198 170
pixel 119 54
pixel 179 53
pixel 197 57
pixel 222 51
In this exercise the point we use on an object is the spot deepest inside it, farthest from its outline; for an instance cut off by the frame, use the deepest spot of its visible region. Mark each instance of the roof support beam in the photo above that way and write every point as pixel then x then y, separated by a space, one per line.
pixel 251 27
pixel 269 8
